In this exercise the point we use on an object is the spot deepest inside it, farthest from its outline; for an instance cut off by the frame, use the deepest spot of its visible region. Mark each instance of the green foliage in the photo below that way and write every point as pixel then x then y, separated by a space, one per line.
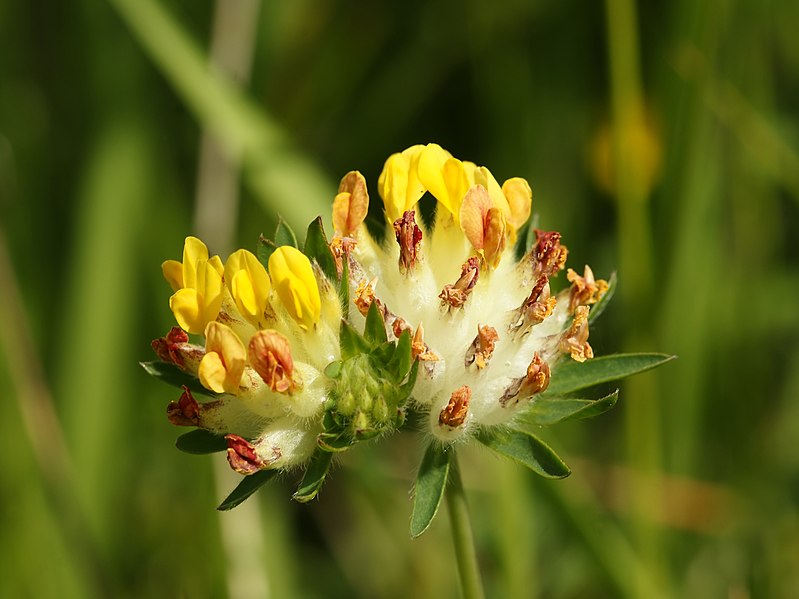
pixel 547 411
pixel 317 248
pixel 249 485
pixel 284 235
pixel 200 441
pixel 569 376
pixel 526 449
pixel 314 477
pixel 431 481
pixel 171 374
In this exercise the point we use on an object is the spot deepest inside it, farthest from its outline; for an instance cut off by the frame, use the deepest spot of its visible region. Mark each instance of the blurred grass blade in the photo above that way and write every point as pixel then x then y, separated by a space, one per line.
pixel 171 374
pixel 526 449
pixel 200 441
pixel 429 489
pixel 544 411
pixel 571 376
pixel 274 170
pixel 246 487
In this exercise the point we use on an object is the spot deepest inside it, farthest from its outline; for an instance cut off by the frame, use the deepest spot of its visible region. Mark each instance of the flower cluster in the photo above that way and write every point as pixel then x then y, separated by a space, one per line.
pixel 303 353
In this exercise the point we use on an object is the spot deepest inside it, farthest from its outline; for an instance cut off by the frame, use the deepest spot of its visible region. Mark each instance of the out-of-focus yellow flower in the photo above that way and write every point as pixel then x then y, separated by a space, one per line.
pixel 198 286
pixel 399 183
pixel 249 285
pixel 294 281
pixel 225 356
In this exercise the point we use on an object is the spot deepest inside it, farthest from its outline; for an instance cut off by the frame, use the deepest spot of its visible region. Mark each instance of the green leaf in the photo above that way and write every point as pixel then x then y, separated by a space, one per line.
pixel 344 289
pixel 401 362
pixel 600 306
pixel 314 476
pixel 284 235
pixel 317 248
pixel 374 331
pixel 351 341
pixel 569 376
pixel 429 489
pixel 245 488
pixel 201 441
pixel 526 449
pixel 171 374
pixel 544 411
pixel 264 249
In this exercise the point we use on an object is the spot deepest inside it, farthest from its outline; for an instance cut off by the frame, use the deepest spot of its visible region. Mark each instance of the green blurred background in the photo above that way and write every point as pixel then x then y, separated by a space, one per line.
pixel 662 140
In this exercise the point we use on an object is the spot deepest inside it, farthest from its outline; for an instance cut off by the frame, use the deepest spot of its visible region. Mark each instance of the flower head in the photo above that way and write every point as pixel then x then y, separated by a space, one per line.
pixel 310 351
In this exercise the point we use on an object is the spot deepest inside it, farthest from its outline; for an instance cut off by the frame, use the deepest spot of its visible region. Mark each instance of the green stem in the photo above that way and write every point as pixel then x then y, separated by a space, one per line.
pixel 468 569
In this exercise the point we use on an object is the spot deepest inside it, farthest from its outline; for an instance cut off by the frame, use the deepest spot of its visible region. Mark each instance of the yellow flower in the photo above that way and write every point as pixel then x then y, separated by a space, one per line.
pixel 399 183
pixel 225 356
pixel 294 281
pixel 249 285
pixel 198 286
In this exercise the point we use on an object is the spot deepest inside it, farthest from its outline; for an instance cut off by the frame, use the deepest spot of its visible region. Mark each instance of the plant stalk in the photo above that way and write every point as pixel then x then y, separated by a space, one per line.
pixel 462 537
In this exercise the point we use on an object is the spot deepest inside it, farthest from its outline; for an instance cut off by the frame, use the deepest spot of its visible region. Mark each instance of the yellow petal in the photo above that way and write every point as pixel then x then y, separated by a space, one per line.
pixel 216 262
pixel 295 284
pixel 494 236
pixel 220 340
pixel 210 286
pixel 173 273
pixel 249 285
pixel 399 183
pixel 212 372
pixel 194 251
pixel 351 204
pixel 445 177
pixel 482 176
pixel 473 212
pixel 520 199
pixel 185 305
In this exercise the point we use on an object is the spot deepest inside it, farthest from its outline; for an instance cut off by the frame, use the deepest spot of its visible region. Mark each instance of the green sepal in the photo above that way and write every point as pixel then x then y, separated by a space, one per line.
pixel 546 411
pixel 317 248
pixel 314 476
pixel 406 388
pixel 245 488
pixel 569 376
pixel 600 306
pixel 333 370
pixel 334 442
pixel 264 249
pixel 429 488
pixel 344 288
pixel 374 331
pixel 400 363
pixel 384 353
pixel 284 234
pixel 526 449
pixel 171 374
pixel 351 341
pixel 201 441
